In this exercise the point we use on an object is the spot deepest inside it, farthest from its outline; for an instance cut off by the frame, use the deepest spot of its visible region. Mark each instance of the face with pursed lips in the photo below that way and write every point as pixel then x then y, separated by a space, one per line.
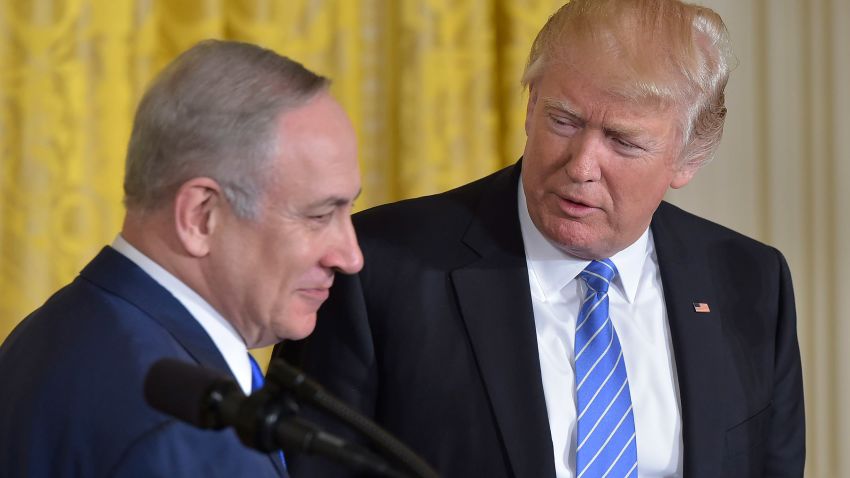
pixel 596 165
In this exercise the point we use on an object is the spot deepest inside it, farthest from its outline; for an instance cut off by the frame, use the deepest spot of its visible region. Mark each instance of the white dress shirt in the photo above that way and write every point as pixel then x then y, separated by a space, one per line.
pixel 640 318
pixel 224 336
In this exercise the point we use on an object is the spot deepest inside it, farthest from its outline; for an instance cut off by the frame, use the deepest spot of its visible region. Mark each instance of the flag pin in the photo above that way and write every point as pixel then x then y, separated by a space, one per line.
pixel 701 307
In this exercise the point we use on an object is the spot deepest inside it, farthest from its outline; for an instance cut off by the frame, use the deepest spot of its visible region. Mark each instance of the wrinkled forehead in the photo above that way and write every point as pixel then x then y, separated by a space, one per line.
pixel 647 77
pixel 652 90
pixel 637 53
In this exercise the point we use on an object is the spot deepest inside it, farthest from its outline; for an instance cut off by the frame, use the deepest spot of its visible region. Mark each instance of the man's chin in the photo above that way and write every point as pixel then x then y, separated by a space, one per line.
pixel 573 237
pixel 583 247
pixel 299 326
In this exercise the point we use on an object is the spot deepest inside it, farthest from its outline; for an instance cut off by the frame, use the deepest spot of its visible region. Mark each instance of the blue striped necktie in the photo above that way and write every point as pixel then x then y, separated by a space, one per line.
pixel 605 435
pixel 257 381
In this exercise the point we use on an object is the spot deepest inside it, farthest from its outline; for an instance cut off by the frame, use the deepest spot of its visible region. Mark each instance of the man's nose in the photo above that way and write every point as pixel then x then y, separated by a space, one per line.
pixel 345 255
pixel 585 150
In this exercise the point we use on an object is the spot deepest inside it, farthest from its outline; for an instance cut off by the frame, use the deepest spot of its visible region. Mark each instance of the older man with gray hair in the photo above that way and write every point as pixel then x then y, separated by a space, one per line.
pixel 241 174
pixel 558 318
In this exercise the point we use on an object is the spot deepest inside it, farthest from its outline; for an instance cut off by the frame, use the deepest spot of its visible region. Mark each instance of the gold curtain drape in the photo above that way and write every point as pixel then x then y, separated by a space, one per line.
pixel 431 85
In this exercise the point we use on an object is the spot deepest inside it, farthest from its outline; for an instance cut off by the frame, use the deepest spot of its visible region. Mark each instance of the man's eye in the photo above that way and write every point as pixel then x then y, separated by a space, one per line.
pixel 562 124
pixel 321 217
pixel 623 144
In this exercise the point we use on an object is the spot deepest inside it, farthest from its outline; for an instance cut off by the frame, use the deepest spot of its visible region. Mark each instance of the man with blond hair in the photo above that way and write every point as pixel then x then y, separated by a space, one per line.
pixel 241 173
pixel 558 318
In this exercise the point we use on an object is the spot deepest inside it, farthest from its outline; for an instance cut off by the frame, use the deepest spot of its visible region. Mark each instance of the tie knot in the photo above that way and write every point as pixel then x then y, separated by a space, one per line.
pixel 598 275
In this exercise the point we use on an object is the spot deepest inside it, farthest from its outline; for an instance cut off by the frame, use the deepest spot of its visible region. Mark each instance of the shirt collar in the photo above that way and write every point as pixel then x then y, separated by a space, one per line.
pixel 223 334
pixel 552 269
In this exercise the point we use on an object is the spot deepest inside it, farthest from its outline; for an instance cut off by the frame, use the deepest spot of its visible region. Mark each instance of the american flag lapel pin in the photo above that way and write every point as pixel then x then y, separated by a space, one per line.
pixel 701 307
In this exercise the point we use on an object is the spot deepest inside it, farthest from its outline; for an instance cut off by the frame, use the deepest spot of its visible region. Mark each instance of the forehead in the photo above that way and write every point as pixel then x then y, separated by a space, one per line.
pixel 642 69
pixel 588 90
pixel 317 147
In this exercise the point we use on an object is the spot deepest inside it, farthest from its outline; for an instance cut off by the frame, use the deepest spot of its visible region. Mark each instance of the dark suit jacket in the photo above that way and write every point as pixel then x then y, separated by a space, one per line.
pixel 435 338
pixel 71 376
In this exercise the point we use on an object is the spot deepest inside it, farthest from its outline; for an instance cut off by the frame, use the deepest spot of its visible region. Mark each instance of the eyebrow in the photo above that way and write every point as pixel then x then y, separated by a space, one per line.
pixel 335 201
pixel 561 106
pixel 566 108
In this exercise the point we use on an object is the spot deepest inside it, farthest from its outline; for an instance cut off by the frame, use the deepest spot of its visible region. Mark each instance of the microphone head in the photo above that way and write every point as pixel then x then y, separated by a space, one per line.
pixel 193 394
pixel 284 375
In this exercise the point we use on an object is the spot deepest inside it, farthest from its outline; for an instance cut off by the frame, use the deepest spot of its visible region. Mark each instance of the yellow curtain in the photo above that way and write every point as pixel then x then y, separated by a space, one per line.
pixel 431 85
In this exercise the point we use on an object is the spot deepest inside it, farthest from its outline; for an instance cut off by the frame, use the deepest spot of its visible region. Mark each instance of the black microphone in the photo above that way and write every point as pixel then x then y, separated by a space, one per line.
pixel 209 400
pixel 199 396
pixel 283 375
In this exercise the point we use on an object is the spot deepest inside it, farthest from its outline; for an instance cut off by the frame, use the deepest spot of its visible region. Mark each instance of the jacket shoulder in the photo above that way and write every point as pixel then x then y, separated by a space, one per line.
pixel 691 227
pixel 423 219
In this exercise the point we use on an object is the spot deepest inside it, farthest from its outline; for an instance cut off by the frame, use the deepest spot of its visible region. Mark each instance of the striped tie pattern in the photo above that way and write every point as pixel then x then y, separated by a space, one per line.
pixel 606 443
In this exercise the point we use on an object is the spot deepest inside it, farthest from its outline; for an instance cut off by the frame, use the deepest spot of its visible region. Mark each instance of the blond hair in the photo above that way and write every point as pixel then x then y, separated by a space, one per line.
pixel 665 51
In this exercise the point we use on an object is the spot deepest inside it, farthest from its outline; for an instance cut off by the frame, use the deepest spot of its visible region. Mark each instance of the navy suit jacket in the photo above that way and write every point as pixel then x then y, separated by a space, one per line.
pixel 72 375
pixel 435 339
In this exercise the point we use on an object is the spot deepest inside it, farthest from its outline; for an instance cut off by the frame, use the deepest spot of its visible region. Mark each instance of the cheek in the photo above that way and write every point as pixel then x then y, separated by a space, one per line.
pixel 542 143
pixel 283 251
pixel 636 197
pixel 298 264
pixel 270 272
pixel 543 167
pixel 283 272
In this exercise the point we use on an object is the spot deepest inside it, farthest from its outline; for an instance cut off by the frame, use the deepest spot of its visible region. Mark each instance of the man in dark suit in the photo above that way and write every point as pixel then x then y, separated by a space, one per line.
pixel 241 173
pixel 557 318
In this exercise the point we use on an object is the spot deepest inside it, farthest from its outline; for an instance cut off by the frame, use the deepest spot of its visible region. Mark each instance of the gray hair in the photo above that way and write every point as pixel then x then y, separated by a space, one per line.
pixel 665 51
pixel 212 113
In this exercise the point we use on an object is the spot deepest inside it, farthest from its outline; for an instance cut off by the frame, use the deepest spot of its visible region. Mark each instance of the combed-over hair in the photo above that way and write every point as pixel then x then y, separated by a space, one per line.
pixel 666 51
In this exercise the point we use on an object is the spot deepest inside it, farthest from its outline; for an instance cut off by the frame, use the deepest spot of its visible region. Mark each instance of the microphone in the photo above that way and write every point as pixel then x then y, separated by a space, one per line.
pixel 209 400
pixel 199 396
pixel 285 376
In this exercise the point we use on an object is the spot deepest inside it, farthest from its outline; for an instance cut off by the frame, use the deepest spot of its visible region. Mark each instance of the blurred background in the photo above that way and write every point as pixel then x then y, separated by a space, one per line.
pixel 433 89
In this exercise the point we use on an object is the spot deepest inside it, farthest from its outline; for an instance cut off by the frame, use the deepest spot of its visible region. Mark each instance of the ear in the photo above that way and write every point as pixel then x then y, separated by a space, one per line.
pixel 197 207
pixel 683 176
pixel 529 109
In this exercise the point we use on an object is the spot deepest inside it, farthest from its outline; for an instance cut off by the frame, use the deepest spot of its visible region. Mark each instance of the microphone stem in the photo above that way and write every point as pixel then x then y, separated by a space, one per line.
pixel 299 434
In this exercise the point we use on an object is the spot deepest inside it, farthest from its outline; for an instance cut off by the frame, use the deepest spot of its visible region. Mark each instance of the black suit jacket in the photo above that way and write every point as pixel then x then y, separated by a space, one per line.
pixel 435 339
pixel 72 374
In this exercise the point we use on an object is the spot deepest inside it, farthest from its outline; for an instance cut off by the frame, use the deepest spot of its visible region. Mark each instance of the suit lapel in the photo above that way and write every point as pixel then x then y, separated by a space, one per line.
pixel 696 337
pixel 495 303
pixel 112 271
